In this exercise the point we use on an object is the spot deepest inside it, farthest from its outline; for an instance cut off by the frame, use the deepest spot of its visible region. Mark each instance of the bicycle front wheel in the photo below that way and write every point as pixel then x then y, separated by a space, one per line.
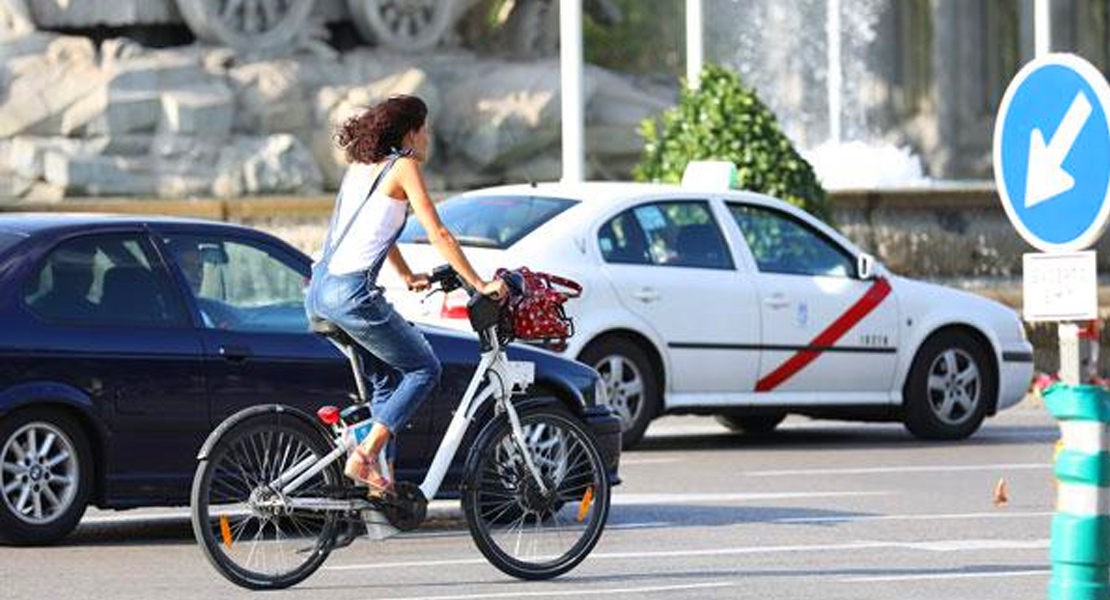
pixel 532 529
pixel 247 530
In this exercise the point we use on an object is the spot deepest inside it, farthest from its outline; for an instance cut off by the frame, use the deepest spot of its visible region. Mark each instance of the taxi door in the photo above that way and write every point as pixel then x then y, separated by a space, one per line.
pixel 825 330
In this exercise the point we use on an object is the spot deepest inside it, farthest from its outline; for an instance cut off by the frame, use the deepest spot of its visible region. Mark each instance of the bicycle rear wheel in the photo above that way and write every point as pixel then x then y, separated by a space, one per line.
pixel 524 529
pixel 243 526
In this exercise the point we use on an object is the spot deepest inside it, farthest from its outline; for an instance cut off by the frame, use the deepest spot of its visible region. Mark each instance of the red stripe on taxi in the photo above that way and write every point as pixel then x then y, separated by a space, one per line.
pixel 855 313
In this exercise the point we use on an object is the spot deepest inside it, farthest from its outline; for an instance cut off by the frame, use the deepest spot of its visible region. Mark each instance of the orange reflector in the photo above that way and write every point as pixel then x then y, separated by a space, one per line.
pixel 584 507
pixel 225 531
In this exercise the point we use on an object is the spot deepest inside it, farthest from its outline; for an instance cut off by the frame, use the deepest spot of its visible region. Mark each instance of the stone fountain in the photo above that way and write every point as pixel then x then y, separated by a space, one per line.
pixel 251 106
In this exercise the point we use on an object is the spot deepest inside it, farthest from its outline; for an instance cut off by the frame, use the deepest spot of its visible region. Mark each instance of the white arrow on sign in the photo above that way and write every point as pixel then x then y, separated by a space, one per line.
pixel 1046 178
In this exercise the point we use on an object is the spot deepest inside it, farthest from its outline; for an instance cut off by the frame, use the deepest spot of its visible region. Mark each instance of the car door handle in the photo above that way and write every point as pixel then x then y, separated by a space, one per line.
pixel 777 301
pixel 646 295
pixel 235 353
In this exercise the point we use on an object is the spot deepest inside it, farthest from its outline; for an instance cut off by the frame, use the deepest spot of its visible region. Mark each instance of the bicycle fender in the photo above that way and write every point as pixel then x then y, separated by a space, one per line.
pixel 252 411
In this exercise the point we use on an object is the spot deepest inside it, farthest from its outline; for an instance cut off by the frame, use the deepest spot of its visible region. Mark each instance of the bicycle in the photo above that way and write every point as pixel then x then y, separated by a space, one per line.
pixel 269 502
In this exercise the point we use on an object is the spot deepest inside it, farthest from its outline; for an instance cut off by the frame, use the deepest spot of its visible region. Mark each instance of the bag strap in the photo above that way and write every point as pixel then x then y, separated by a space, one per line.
pixel 329 247
pixel 575 289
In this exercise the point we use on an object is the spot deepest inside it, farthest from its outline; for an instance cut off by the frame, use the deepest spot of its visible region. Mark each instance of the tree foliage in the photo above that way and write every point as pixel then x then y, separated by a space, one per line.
pixel 724 120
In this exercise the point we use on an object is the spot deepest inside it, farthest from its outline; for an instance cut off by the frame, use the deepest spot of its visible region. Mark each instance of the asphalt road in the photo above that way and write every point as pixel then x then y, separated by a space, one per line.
pixel 819 510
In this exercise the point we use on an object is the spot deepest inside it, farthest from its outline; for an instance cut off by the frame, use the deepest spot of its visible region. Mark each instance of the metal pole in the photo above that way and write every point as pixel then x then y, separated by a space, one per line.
pixel 573 98
pixel 835 76
pixel 695 43
pixel 1042 28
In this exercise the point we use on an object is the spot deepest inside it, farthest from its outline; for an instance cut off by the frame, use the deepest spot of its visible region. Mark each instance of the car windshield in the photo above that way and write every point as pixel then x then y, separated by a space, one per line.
pixel 489 221
pixel 7 240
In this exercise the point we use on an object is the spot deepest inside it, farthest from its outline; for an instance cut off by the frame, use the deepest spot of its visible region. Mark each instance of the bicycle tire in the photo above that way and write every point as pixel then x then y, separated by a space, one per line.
pixel 242 439
pixel 549 513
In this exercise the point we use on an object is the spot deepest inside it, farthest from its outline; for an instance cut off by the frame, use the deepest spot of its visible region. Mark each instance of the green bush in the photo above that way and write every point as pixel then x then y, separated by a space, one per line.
pixel 723 120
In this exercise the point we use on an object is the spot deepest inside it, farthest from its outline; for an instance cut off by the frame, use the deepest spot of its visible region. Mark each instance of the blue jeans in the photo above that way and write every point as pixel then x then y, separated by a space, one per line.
pixel 397 359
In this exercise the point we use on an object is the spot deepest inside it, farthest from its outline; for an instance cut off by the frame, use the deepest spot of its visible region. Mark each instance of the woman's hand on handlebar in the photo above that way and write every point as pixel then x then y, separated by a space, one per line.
pixel 495 289
pixel 418 282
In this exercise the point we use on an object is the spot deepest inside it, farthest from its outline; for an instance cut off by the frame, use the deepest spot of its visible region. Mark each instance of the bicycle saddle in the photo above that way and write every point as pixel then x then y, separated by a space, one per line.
pixel 329 330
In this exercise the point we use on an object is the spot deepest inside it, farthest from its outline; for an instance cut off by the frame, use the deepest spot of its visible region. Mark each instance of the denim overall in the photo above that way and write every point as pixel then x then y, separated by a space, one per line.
pixel 402 369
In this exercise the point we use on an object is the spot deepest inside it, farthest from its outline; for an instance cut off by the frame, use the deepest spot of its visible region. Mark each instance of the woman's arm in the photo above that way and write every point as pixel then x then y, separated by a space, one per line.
pixel 415 282
pixel 444 241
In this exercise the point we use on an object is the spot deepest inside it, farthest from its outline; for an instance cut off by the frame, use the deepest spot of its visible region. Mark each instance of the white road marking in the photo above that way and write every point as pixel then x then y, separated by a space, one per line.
pixel 578 592
pixel 917 517
pixel 902 469
pixel 647 460
pixel 945 576
pixel 696 498
pixel 922 546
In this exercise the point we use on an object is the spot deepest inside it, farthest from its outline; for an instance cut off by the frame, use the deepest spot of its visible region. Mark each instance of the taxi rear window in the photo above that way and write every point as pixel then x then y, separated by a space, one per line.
pixel 490 221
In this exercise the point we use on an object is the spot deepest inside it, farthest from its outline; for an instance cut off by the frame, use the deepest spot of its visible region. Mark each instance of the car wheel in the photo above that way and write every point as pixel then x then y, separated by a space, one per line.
pixel 752 424
pixel 949 387
pixel 631 385
pixel 45 476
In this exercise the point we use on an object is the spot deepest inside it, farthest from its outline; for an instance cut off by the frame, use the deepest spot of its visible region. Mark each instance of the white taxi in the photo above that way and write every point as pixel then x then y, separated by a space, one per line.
pixel 738 305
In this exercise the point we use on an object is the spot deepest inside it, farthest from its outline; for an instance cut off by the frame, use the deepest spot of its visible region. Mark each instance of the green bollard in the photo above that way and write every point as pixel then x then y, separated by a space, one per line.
pixel 1080 550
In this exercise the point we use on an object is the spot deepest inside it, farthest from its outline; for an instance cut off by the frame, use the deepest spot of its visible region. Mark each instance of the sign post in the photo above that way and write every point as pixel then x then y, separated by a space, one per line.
pixel 1052 170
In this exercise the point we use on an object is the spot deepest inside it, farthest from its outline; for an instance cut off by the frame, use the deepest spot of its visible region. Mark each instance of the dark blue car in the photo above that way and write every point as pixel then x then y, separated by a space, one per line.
pixel 124 341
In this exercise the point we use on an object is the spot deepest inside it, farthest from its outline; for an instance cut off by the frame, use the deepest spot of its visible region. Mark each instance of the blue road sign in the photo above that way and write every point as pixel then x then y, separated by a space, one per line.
pixel 1052 153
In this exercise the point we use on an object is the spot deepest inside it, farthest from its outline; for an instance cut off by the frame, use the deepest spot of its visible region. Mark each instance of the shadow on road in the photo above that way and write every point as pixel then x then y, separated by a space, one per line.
pixel 671 516
pixel 851 436
pixel 133 532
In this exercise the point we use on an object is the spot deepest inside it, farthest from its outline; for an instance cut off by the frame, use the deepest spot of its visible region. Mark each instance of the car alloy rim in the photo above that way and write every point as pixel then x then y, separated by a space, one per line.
pixel 954 386
pixel 624 388
pixel 38 473
pixel 546 444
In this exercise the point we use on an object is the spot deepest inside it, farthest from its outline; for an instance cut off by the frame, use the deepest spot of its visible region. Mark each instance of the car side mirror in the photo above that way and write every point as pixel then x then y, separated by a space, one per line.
pixel 865 266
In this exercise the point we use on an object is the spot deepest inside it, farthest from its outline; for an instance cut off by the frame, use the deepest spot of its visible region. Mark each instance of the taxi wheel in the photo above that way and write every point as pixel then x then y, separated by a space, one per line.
pixel 631 384
pixel 949 387
pixel 45 476
pixel 751 424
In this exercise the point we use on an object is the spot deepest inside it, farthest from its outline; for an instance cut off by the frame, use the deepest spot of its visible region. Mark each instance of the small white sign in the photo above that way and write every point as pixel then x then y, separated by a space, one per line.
pixel 1060 286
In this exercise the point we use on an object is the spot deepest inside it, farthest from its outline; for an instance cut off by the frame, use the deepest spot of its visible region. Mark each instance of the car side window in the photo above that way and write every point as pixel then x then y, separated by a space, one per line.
pixel 103 280
pixel 683 234
pixel 622 241
pixel 783 244
pixel 241 285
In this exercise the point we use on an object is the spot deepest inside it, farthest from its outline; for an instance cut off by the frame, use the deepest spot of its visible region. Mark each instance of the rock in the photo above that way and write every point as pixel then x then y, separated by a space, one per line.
pixel 207 109
pixel 26 154
pixel 74 13
pixel 40 191
pixel 270 98
pixel 502 112
pixel 42 87
pixel 545 167
pixel 97 175
pixel 609 140
pixel 128 111
pixel 266 165
pixel 15 20
pixel 617 101
pixel 155 69
pixel 334 105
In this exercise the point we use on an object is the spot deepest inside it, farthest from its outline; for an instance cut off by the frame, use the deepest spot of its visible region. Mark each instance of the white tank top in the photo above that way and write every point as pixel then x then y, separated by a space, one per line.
pixel 376 226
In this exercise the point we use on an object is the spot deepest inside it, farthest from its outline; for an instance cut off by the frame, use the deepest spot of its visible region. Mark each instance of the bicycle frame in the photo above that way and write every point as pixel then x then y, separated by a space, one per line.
pixel 506 377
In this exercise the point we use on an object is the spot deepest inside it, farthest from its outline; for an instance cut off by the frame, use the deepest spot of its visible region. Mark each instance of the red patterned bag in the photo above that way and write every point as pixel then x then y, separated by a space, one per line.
pixel 535 306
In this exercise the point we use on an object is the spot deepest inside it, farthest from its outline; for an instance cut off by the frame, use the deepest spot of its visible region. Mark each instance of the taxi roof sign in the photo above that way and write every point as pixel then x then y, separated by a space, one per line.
pixel 710 175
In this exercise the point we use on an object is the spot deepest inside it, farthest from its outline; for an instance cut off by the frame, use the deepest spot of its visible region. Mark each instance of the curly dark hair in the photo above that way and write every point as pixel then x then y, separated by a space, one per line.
pixel 371 136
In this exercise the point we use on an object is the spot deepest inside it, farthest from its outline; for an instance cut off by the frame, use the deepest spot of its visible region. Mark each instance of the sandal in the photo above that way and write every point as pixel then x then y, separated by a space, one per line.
pixel 365 468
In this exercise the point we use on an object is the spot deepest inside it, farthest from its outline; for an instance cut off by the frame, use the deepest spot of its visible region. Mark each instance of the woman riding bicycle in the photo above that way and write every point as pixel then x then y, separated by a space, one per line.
pixel 385 146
